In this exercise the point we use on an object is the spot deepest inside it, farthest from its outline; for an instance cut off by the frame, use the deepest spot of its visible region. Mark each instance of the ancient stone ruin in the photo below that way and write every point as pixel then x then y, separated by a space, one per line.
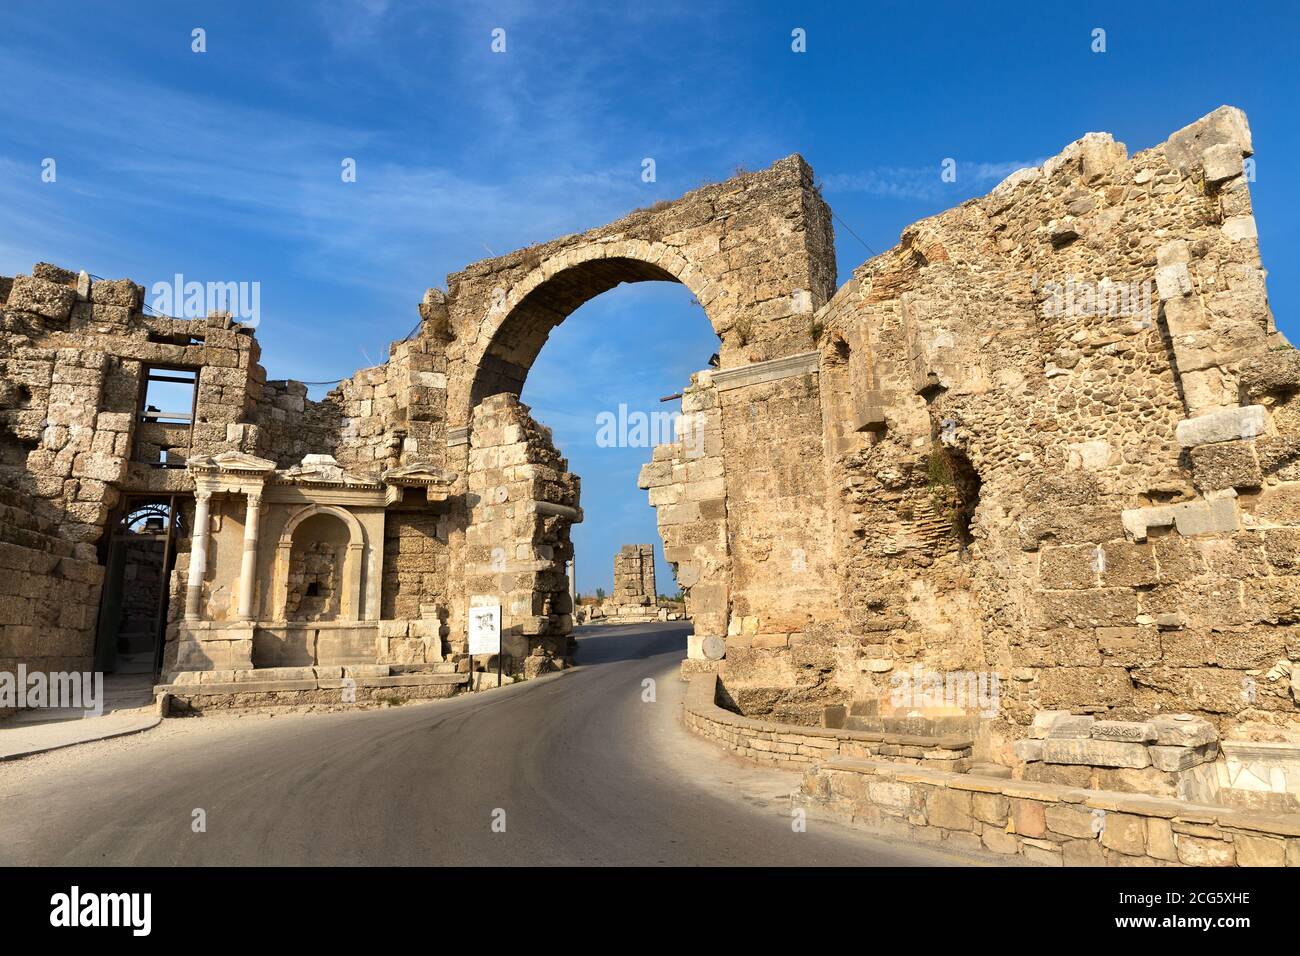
pixel 1041 457
pixel 634 597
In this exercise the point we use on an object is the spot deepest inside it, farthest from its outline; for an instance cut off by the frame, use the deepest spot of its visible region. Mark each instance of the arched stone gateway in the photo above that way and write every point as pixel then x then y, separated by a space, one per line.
pixel 757 254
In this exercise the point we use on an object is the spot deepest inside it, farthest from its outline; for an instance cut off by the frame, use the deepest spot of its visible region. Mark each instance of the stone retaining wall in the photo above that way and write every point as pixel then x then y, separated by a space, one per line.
pixel 292 687
pixel 790 745
pixel 1044 823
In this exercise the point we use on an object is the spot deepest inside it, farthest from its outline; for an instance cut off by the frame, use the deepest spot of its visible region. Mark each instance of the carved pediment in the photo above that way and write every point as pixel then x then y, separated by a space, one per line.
pixel 231 462
pixel 324 470
pixel 418 473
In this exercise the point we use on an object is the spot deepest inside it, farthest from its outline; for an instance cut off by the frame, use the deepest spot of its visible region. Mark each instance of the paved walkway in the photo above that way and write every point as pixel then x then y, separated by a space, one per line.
pixel 128 709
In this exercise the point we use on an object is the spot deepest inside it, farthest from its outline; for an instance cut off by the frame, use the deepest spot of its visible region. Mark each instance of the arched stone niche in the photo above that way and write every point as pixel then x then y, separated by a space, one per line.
pixel 324 545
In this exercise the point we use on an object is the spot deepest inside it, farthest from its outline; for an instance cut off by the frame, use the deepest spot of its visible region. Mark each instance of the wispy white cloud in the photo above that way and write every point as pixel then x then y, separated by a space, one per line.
pixel 925 183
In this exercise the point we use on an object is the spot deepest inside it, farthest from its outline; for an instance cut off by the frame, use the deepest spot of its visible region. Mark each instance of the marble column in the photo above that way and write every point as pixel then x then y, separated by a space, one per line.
pixel 198 556
pixel 248 567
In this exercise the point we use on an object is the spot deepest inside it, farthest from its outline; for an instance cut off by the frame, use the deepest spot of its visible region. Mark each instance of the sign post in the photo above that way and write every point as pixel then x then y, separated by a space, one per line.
pixel 484 631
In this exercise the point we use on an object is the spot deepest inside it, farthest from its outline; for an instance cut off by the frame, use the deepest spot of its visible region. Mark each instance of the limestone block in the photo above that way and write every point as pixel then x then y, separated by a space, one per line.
pixel 1095 753
pixel 1226 465
pixel 1259 850
pixel 1229 424
pixel 1175 759
pixel 363 671
pixel 1160 840
pixel 1226 125
pixel 1271 374
pixel 1200 851
pixel 950 809
pixel 991 808
pixel 1173 281
pixel 1192 518
pixel 392 629
pixel 1028 818
pixel 1172 252
pixel 265 674
pixel 47 299
pixel 1071 726
pixel 1090 455
pixel 1084 686
pixel 1071 821
pixel 1100 155
pixel 1183 730
pixel 1238 228
pixel 1279 504
pixel 1124 833
pixel 1028 750
pixel 1043 721
pixel 1131 731
pixel 1221 162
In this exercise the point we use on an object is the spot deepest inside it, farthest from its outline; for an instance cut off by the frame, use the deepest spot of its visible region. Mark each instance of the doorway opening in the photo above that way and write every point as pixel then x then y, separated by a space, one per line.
pixel 140 556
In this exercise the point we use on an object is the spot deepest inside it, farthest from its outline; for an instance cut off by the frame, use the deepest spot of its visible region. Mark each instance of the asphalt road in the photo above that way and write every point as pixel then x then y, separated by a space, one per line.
pixel 579 767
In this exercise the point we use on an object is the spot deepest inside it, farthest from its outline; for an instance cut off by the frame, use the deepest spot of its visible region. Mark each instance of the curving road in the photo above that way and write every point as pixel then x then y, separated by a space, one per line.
pixel 585 771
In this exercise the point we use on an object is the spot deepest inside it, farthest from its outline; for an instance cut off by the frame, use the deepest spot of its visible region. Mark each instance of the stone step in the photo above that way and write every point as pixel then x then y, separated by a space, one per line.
pixel 986 769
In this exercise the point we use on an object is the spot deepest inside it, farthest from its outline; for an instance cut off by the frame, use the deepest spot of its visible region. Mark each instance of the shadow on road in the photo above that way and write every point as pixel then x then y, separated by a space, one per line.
pixel 610 643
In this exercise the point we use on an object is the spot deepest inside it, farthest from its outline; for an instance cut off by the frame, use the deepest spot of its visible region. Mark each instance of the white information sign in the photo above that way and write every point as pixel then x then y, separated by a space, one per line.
pixel 484 627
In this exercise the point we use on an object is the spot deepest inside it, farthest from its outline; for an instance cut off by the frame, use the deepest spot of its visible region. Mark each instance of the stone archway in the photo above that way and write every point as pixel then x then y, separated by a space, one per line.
pixel 520 321
pixel 757 253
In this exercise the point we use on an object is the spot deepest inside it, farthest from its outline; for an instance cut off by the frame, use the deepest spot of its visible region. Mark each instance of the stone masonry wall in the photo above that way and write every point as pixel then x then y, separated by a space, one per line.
pixel 687 486
pixel 74 353
pixel 1043 823
pixel 521 501
pixel 1069 455
pixel 634 575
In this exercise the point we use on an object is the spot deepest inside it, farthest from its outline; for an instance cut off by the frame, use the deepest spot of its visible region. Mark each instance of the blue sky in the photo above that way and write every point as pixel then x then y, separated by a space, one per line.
pixel 225 165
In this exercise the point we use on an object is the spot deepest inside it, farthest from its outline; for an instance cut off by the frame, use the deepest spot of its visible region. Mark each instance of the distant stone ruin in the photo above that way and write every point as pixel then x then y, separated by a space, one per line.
pixel 634 597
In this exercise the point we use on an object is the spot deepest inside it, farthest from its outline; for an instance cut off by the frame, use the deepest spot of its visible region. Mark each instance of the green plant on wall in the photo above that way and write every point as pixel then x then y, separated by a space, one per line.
pixel 938 473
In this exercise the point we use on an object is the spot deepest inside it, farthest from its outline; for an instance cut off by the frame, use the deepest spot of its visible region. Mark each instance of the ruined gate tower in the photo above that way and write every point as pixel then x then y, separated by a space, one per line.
pixel 757 252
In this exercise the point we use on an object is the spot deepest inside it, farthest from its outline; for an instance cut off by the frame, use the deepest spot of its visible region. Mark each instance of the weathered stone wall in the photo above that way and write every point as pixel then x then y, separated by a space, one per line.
pixel 74 352
pixel 49 592
pixel 379 418
pixel 1067 443
pixel 778 531
pixel 521 501
pixel 784 745
pixel 72 358
pixel 415 563
pixel 634 575
pixel 1043 823
pixel 686 484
